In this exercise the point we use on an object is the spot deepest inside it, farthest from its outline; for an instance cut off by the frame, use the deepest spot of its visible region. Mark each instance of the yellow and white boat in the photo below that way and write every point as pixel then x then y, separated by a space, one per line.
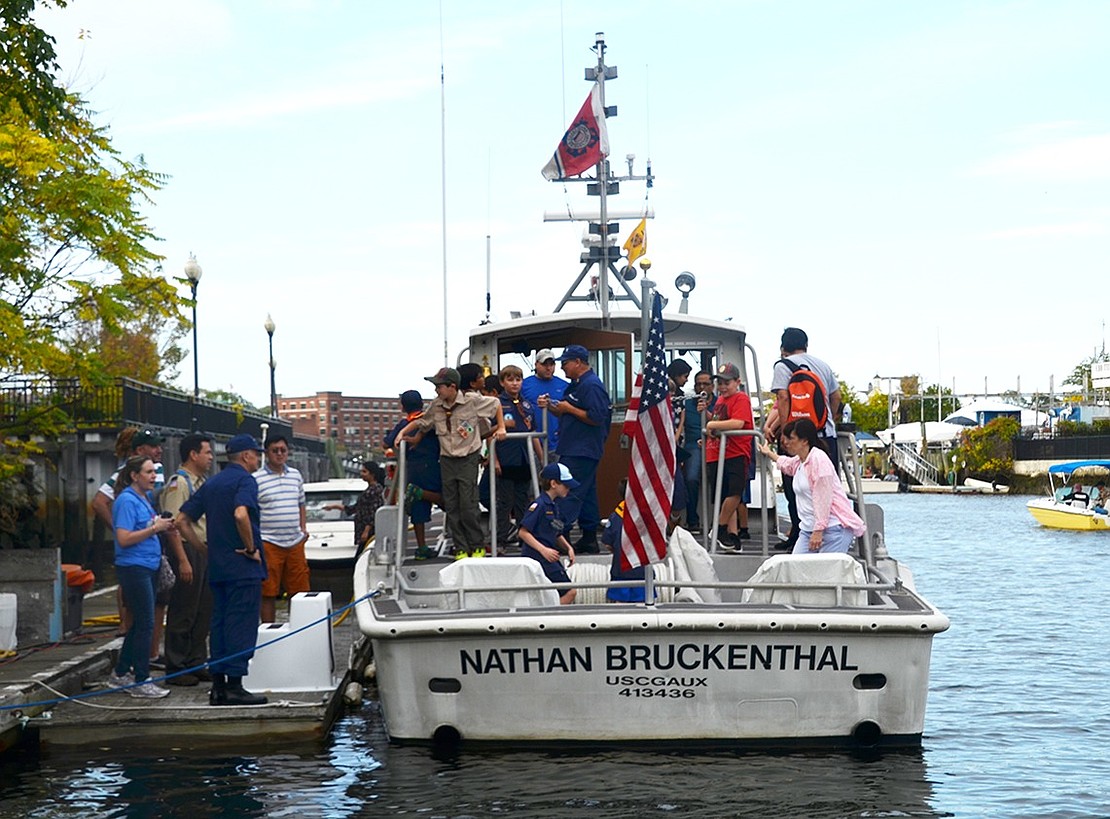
pixel 1074 503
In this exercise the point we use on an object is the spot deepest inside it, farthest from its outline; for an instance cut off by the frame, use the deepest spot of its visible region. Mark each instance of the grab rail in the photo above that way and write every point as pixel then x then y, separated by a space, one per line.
pixel 462 591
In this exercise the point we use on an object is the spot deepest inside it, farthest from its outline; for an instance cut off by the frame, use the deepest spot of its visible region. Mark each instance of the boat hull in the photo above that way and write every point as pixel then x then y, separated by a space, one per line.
pixel 644 675
pixel 1056 515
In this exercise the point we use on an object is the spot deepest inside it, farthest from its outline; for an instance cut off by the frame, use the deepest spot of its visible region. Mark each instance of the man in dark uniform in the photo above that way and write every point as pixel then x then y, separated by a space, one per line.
pixel 584 417
pixel 236 568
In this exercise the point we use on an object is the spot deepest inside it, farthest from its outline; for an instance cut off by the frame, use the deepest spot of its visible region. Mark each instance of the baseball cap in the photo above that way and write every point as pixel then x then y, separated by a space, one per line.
pixel 411 400
pixel 146 437
pixel 794 339
pixel 444 375
pixel 545 355
pixel 575 352
pixel 559 472
pixel 728 372
pixel 242 443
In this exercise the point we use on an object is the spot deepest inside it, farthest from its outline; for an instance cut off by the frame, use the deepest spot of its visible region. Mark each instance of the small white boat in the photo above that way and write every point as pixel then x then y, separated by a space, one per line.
pixel 1069 504
pixel 878 486
pixel 987 487
pixel 331 532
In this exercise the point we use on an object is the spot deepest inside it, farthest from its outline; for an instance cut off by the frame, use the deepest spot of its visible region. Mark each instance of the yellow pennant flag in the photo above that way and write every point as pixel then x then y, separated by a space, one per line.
pixel 636 245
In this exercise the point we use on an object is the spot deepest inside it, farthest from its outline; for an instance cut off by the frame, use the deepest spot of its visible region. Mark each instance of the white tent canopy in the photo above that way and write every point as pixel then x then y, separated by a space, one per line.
pixel 1029 418
pixel 936 432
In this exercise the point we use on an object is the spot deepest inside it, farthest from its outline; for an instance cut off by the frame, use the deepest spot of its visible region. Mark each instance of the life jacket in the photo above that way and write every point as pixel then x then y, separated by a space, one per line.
pixel 806 396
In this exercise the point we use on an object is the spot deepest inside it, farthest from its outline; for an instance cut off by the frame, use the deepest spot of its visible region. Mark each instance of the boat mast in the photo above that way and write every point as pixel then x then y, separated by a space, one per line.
pixel 602 186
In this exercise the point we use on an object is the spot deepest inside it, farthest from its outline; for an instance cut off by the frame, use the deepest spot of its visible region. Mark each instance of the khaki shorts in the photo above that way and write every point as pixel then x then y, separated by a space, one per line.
pixel 285 568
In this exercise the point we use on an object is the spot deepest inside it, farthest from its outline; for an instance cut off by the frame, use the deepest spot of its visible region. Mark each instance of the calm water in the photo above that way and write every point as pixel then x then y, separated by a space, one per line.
pixel 1018 722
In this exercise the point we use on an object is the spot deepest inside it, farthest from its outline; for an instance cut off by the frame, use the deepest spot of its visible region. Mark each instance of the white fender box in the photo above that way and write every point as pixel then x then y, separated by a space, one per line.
pixel 289 659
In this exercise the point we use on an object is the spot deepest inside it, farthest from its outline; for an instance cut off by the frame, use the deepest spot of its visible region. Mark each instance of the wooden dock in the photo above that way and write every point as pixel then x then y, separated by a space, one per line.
pixel 79 666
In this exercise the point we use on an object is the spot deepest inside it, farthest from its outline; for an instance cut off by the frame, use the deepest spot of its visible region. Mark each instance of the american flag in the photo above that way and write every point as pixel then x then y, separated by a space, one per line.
pixel 650 425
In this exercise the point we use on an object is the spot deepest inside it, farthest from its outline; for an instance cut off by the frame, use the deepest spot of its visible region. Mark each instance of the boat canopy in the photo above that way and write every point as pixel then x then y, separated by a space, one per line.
pixel 1072 466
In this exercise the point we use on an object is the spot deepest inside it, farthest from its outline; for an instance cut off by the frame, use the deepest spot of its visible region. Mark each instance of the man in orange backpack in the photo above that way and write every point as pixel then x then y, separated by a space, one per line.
pixel 804 387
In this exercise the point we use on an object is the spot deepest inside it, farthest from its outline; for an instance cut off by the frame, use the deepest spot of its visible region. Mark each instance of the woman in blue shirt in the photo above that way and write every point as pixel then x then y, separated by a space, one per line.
pixel 138 558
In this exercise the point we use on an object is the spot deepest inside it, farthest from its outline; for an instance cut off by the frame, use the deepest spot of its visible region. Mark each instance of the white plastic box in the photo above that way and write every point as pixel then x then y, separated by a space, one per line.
pixel 295 662
pixel 8 611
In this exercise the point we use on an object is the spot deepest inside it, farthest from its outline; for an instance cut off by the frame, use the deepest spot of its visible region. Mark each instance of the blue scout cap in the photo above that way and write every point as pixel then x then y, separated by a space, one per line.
pixel 575 351
pixel 411 401
pixel 243 442
pixel 559 472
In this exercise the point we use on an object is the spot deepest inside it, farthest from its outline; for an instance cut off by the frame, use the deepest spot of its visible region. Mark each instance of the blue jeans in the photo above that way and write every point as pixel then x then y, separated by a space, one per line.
pixel 692 469
pixel 836 539
pixel 139 586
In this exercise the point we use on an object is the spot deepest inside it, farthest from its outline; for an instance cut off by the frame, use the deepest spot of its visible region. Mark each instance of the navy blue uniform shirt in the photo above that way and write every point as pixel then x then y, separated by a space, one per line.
pixel 577 438
pixel 218 498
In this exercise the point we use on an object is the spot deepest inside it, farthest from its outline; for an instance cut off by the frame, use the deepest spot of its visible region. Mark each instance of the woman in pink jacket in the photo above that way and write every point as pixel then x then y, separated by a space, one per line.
pixel 828 522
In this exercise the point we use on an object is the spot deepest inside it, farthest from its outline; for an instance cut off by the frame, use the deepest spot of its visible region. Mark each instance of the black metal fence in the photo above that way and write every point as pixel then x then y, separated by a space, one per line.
pixel 126 402
pixel 1067 448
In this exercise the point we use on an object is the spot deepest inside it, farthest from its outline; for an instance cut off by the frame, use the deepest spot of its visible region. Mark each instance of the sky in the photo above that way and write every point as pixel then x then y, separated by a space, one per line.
pixel 923 187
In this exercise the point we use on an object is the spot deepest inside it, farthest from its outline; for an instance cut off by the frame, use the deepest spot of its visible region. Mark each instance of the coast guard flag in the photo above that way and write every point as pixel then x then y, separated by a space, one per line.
pixel 585 143
pixel 650 424
pixel 636 245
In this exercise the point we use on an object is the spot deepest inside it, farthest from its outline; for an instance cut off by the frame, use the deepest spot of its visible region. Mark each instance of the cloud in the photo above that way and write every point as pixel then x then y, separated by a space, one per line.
pixel 1076 158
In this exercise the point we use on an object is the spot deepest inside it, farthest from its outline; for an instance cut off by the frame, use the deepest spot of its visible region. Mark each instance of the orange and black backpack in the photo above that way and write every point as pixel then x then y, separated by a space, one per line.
pixel 806 397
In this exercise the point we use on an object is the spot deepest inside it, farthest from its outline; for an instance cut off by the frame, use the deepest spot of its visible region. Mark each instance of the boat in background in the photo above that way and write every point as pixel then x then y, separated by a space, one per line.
pixel 331 532
pixel 987 487
pixel 1069 505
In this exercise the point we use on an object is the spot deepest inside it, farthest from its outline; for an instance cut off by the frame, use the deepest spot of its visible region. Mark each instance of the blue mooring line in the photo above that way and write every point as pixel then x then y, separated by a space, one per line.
pixel 101 692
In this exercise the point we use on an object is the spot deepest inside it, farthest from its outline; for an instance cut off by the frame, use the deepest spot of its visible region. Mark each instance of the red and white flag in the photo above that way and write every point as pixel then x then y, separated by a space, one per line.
pixel 650 424
pixel 585 143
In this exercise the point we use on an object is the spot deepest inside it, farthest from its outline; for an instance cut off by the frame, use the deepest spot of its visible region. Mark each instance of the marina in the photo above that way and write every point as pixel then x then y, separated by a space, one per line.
pixel 988 750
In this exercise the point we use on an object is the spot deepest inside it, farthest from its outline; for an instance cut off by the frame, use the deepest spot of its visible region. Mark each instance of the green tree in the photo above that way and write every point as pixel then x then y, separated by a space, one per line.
pixel 989 449
pixel 74 247
pixel 948 402
pixel 1080 377
pixel 871 415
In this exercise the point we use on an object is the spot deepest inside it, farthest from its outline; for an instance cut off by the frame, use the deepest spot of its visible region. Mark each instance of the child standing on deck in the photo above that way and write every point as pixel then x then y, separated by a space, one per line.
pixel 514 474
pixel 541 530
pixel 456 417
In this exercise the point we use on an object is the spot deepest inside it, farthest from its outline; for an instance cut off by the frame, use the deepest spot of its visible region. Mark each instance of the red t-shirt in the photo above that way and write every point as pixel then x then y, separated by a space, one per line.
pixel 734 407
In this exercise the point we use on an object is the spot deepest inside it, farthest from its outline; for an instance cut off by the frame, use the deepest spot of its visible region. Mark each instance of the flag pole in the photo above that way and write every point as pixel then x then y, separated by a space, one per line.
pixel 603 185
pixel 647 303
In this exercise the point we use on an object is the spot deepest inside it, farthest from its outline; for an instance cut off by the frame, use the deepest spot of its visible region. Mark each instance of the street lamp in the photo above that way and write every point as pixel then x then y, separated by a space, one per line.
pixel 270 327
pixel 193 273
pixel 889 400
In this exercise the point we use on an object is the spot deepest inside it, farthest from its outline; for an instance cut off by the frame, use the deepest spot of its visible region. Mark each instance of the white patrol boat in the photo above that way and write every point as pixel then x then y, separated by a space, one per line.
pixel 750 647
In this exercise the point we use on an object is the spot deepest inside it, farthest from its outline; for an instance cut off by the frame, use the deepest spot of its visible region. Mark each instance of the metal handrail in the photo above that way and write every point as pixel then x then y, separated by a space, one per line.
pixel 461 591
pixel 708 539
pixel 493 476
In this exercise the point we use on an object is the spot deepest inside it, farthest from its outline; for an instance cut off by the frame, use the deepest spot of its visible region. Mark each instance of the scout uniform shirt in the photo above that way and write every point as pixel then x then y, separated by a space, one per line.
pixel 457 426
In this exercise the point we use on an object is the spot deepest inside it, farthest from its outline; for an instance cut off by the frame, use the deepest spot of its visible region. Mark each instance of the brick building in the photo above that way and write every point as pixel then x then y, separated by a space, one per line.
pixel 356 422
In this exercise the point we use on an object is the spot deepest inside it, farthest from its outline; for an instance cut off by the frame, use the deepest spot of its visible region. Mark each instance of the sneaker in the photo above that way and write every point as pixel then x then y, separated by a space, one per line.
pixel 424 553
pixel 121 681
pixel 158 663
pixel 478 553
pixel 148 691
pixel 745 534
pixel 460 555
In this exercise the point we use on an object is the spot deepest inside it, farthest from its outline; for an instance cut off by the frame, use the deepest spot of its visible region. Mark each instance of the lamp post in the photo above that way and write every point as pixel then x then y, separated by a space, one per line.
pixel 193 273
pixel 270 327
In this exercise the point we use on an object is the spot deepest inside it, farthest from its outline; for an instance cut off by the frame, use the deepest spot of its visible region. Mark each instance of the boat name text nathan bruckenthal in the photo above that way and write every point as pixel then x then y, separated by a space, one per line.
pixel 634 657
